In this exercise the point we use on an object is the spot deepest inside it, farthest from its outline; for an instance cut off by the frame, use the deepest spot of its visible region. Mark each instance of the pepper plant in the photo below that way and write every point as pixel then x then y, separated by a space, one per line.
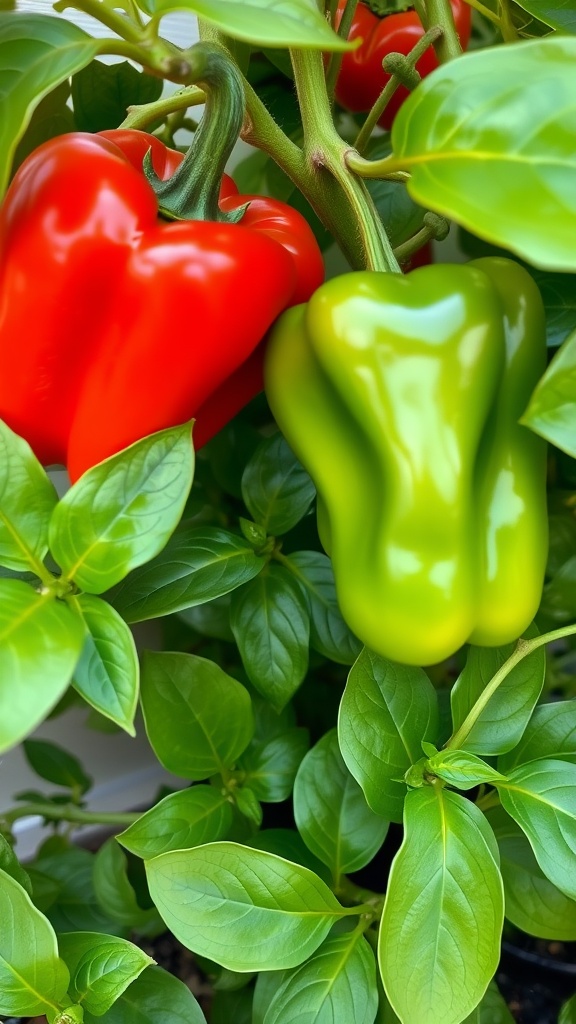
pixel 365 577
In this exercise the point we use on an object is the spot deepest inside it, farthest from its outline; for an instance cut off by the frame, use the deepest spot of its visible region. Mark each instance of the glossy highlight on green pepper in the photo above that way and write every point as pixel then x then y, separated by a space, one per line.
pixel 401 396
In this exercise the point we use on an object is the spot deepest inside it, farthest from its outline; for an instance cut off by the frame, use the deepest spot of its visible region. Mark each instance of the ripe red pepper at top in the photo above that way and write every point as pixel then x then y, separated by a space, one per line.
pixel 115 324
pixel 362 78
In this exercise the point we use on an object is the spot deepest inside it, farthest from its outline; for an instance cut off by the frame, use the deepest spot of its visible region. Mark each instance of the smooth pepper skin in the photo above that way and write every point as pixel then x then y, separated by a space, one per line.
pixel 114 324
pixel 362 78
pixel 401 396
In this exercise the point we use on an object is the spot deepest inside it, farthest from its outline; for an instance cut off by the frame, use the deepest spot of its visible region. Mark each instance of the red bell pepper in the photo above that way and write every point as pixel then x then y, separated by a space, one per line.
pixel 114 324
pixel 362 78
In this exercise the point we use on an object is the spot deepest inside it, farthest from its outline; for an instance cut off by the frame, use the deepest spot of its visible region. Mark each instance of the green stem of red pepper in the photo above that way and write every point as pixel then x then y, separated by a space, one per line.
pixel 343 32
pixel 193 191
pixel 325 154
pixel 431 36
pixel 439 12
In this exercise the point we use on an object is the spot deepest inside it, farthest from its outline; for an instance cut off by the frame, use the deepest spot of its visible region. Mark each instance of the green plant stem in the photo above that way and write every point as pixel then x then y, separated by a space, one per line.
pixel 106 15
pixel 67 812
pixel 439 12
pixel 159 57
pixel 355 223
pixel 522 649
pixel 353 894
pixel 363 137
pixel 147 113
pixel 336 58
pixel 507 28
pixel 485 11
pixel 388 168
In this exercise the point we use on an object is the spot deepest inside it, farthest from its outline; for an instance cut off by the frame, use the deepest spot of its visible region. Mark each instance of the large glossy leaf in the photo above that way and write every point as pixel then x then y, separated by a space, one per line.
pixel 568 1012
pixel 155 996
pixel 243 908
pixel 331 812
pixel 386 712
pixel 271 766
pixel 271 623
pixel 540 798
pixel 266 22
pixel 188 818
pixel 337 985
pixel 559 14
pixel 439 941
pixel 40 643
pixel 27 499
pixel 107 675
pixel 102 93
pixel 329 634
pixel 462 770
pixel 121 512
pixel 198 719
pixel 32 977
pixel 288 843
pixel 551 411
pixel 550 733
pixel 532 903
pixel 502 721
pixel 489 136
pixel 276 488
pixel 53 763
pixel 559 297
pixel 37 52
pixel 197 565
pixel 101 968
pixel 116 894
pixel 76 907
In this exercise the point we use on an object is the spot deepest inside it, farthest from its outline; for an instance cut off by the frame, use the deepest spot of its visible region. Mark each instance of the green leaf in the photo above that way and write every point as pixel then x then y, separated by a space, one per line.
pixel 211 619
pixel 276 489
pixel 532 902
pixel 12 866
pixel 56 765
pixel 115 892
pixel 155 996
pixel 337 985
pixel 102 93
pixel 487 137
pixel 76 908
pixel 540 798
pixel 32 977
pixel 492 1009
pixel 462 770
pixel 37 52
pixel 107 675
pixel 386 711
pixel 287 843
pixel 188 818
pixel 101 968
pixel 271 623
pixel 559 296
pixel 329 634
pixel 568 1012
pixel 232 1006
pixel 271 766
pixel 500 724
pixel 551 410
pixel 198 719
pixel 558 604
pixel 121 512
pixel 197 565
pixel 27 499
pixel 267 984
pixel 243 908
pixel 439 942
pixel 248 805
pixel 550 733
pixel 51 117
pixel 264 22
pixel 40 643
pixel 331 812
pixel 559 14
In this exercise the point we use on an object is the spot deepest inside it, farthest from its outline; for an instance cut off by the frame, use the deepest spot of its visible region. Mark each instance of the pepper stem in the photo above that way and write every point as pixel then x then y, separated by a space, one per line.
pixel 193 191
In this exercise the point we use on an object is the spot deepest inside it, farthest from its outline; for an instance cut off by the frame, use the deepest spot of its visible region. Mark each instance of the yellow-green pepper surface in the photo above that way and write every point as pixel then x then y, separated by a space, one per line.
pixel 401 396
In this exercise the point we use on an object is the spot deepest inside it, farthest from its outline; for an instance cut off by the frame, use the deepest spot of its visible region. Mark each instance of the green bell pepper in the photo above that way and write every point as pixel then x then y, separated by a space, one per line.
pixel 401 396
